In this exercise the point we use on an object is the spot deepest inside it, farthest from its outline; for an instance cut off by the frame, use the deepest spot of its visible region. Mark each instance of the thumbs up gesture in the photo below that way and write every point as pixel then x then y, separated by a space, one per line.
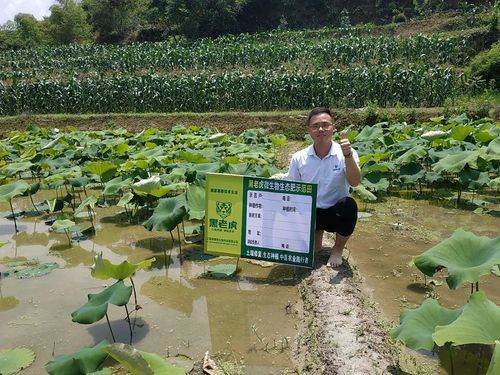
pixel 345 145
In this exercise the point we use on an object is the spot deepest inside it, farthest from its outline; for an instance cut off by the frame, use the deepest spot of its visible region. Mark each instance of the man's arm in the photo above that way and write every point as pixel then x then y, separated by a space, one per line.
pixel 352 171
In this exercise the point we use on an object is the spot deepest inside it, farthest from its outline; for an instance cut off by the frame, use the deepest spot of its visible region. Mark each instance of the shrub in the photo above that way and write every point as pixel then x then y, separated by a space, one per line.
pixel 487 65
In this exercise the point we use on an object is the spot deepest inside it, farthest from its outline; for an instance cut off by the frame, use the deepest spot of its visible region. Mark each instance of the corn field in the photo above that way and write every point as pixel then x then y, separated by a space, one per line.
pixel 281 70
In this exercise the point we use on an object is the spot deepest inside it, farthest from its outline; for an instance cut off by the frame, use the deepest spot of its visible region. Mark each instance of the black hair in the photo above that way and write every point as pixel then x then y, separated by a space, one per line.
pixel 317 111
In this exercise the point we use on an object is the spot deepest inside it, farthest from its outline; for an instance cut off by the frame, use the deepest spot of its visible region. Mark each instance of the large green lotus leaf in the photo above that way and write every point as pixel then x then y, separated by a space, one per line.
pixel 94 310
pixel 466 256
pixel 495 183
pixel 412 155
pixel 434 134
pixel 64 225
pixel 130 358
pixel 161 366
pixel 204 168
pixel 164 190
pixel 192 157
pixel 376 181
pixel 479 323
pixel 364 193
pixel 461 132
pixel 455 163
pixel 240 168
pixel 116 184
pixel 104 169
pixel 221 271
pixel 474 179
pixel 14 168
pixel 127 197
pixel 12 190
pixel 85 361
pixel 417 325
pixel 370 133
pixel 377 167
pixel 195 196
pixel 147 185
pixel 494 147
pixel 168 213
pixel 411 173
pixel 104 269
pixel 36 271
pixel 14 360
pixel 90 201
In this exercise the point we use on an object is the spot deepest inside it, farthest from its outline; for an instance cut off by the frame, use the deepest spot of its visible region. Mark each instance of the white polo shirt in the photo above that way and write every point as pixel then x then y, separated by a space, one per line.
pixel 328 173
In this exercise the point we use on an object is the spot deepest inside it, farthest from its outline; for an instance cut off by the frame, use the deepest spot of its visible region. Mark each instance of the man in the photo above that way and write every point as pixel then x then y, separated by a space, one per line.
pixel 334 167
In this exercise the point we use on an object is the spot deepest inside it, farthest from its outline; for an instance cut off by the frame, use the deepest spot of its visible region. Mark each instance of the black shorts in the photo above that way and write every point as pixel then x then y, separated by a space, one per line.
pixel 340 218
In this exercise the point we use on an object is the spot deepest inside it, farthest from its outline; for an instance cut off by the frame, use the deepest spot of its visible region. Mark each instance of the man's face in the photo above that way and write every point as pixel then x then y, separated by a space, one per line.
pixel 321 127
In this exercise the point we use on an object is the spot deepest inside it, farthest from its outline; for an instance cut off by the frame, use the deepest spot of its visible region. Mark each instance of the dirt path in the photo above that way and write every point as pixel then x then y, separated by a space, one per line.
pixel 339 329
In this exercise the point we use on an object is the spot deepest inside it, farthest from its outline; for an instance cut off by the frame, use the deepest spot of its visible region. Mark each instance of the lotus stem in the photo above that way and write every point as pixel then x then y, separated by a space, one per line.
pixel 33 203
pixel 451 361
pixel 129 325
pixel 109 325
pixel 172 236
pixel 133 288
pixel 237 262
pixel 471 288
pixel 13 216
pixel 180 247
pixel 477 286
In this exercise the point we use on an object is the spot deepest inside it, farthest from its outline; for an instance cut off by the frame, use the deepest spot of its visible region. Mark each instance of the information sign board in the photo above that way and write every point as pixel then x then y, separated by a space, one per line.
pixel 260 218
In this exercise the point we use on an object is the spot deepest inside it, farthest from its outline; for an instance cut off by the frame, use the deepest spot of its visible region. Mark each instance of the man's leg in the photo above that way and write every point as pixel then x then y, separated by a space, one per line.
pixel 318 240
pixel 335 259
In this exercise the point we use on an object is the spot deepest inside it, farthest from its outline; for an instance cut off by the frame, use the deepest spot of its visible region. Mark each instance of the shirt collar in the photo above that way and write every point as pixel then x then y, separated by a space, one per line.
pixel 312 152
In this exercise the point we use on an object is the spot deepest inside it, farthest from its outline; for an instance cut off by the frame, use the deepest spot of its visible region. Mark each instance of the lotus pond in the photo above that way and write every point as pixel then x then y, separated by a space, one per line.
pixel 76 199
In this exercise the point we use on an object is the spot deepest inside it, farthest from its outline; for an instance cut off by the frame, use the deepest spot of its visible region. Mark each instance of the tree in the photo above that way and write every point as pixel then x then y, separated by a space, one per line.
pixel 68 23
pixel 30 31
pixel 204 18
pixel 115 20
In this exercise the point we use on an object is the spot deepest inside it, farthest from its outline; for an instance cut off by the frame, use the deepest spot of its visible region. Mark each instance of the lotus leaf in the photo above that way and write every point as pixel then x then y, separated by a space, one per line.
pixel 116 184
pixel 36 270
pixel 494 147
pixel 90 201
pixel 127 197
pixel 14 360
pixel 85 361
pixel 474 179
pixel 466 256
pixel 461 132
pixel 94 310
pixel 239 169
pixel 130 358
pixel 146 186
pixel 478 324
pixel 411 173
pixel 370 133
pixel 193 157
pixel 104 169
pixel 168 213
pixel 417 325
pixel 12 190
pixel 195 196
pixel 218 137
pixel 64 226
pixel 364 193
pixel 104 269
pixel 494 367
pixel 412 155
pixel 221 271
pixel 376 181
pixel 456 162
pixel 12 169
pixel 161 366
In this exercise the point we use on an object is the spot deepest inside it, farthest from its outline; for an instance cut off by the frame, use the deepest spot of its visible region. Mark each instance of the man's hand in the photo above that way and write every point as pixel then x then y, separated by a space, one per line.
pixel 345 145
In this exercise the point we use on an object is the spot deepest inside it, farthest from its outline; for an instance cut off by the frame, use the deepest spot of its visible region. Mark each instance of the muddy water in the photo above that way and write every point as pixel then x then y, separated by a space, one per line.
pixel 245 320
pixel 383 245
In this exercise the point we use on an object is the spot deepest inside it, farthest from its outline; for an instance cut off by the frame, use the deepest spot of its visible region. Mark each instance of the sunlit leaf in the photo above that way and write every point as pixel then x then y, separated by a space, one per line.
pixel 417 325
pixel 104 269
pixel 12 190
pixel 14 360
pixel 221 271
pixel 478 324
pixel 84 361
pixel 195 196
pixel 466 256
pixel 168 214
